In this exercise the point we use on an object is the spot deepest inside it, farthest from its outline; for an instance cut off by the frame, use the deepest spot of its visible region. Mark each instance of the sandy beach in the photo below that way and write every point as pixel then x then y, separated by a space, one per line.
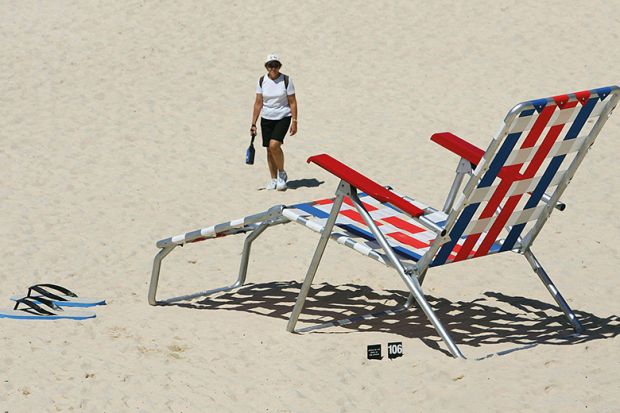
pixel 126 122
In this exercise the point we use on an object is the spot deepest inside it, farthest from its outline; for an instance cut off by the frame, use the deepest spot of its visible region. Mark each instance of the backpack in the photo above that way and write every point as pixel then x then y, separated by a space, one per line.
pixel 260 81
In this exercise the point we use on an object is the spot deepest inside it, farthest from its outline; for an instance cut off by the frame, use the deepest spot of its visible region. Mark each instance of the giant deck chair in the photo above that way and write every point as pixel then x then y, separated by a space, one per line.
pixel 512 189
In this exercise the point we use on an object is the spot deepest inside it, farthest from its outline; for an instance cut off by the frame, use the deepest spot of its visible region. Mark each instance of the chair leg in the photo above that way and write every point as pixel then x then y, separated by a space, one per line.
pixel 314 264
pixel 245 255
pixel 243 269
pixel 416 292
pixel 155 273
pixel 411 282
pixel 410 299
pixel 409 302
pixel 544 277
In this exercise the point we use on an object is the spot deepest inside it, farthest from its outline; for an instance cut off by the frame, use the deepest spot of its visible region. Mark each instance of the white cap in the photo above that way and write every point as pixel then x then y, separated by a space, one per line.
pixel 271 57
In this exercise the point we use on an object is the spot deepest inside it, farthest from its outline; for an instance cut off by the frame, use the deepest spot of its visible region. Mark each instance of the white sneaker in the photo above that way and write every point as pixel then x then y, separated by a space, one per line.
pixel 281 184
pixel 271 185
pixel 282 174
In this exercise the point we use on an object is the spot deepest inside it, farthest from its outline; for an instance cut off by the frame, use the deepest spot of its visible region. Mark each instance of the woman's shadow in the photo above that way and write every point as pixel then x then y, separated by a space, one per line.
pixel 304 183
pixel 494 319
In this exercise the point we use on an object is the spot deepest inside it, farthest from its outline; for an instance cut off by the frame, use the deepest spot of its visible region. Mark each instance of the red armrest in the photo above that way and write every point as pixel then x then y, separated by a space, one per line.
pixel 459 146
pixel 470 152
pixel 364 184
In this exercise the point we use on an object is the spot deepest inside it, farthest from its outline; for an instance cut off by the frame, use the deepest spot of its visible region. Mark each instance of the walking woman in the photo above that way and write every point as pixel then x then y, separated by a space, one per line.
pixel 277 106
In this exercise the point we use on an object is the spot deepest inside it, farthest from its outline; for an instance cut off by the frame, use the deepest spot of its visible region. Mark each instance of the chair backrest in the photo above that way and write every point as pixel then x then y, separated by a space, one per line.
pixel 536 152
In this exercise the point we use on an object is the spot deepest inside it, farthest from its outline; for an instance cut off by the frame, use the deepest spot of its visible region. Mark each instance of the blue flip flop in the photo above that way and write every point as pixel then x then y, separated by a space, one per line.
pixel 42 309
pixel 60 296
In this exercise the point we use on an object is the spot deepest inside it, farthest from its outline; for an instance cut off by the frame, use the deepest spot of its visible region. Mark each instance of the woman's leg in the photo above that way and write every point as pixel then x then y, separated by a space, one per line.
pixel 273 169
pixel 276 157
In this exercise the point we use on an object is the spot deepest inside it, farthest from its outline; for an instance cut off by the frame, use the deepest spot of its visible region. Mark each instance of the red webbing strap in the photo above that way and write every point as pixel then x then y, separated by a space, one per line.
pixel 364 184
pixel 459 146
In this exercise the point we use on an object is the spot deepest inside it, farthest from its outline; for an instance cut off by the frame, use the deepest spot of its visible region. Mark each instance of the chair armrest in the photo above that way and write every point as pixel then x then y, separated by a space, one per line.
pixel 365 184
pixel 473 154
pixel 459 146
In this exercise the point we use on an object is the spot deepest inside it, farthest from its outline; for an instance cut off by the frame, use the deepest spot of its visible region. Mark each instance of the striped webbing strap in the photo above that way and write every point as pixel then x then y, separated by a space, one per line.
pixel 533 154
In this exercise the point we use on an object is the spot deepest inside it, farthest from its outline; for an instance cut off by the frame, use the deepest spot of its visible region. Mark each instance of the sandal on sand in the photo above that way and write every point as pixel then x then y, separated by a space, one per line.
pixel 59 295
pixel 42 309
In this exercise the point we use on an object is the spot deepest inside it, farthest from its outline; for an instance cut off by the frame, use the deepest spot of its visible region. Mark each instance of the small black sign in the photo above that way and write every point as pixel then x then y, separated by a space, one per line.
pixel 395 350
pixel 374 352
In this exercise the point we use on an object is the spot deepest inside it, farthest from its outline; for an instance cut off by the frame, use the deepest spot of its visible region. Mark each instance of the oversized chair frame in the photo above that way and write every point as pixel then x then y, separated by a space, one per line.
pixel 512 189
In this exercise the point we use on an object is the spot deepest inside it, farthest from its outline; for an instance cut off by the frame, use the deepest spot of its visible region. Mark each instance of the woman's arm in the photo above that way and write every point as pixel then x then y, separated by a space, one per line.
pixel 292 102
pixel 258 105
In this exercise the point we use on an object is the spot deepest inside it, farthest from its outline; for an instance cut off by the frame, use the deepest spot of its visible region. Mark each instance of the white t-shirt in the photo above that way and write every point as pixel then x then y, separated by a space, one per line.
pixel 275 100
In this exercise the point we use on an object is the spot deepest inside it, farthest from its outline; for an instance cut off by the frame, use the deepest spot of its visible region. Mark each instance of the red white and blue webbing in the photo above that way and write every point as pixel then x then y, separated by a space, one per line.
pixel 506 165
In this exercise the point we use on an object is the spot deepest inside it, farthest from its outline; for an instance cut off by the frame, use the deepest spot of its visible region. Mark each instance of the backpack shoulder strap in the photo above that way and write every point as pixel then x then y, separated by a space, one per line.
pixel 260 81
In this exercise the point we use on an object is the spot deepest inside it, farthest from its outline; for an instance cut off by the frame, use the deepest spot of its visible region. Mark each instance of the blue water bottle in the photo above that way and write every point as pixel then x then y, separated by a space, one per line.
pixel 249 153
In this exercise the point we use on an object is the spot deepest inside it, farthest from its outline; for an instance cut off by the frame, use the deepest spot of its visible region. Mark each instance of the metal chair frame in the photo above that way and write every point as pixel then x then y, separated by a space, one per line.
pixel 412 275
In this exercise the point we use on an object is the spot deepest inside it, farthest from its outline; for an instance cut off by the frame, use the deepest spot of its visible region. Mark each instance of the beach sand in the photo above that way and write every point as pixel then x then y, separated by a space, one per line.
pixel 127 122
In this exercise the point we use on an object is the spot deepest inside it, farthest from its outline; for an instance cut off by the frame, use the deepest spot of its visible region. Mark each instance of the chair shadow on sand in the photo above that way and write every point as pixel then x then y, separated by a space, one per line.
pixel 304 183
pixel 495 319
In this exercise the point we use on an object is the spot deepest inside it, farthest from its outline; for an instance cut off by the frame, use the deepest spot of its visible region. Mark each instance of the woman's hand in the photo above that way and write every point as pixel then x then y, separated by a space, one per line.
pixel 292 102
pixel 253 130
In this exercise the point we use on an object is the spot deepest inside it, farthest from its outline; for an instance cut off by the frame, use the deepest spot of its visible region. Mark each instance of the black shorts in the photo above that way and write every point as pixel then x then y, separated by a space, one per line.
pixel 274 129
